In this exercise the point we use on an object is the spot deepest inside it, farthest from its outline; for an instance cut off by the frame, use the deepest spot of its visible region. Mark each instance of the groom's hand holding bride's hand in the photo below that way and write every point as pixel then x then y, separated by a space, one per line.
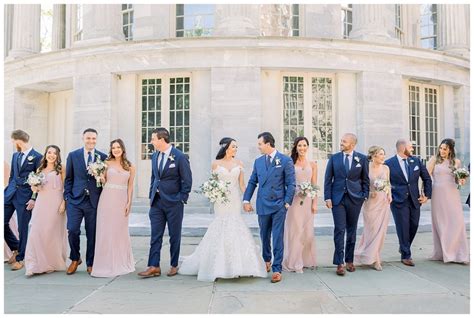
pixel 329 204
pixel 248 207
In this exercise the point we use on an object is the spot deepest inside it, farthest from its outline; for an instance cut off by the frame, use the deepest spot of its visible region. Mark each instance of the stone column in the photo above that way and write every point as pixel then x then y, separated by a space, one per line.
pixel 237 20
pixel 26 30
pixel 153 21
pixel 58 33
pixel 410 25
pixel 102 24
pixel 371 23
pixel 8 22
pixel 322 20
pixel 453 33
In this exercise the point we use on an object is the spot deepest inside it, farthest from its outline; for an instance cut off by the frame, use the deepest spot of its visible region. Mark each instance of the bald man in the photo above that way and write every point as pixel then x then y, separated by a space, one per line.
pixel 405 172
pixel 346 187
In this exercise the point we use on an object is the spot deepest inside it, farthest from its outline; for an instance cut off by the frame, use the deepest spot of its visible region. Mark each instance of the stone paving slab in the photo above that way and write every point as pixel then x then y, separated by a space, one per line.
pixel 429 287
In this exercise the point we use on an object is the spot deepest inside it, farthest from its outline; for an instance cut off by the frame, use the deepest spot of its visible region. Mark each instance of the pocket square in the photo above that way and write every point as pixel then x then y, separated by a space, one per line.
pixel 416 168
pixel 358 165
pixel 277 166
pixel 172 166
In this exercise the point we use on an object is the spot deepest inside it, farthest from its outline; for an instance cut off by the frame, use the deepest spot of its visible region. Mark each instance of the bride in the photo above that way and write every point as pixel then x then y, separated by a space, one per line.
pixel 228 249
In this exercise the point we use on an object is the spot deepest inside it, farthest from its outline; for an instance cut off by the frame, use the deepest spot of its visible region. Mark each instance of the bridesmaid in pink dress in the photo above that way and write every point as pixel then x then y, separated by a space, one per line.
pixel 113 248
pixel 299 251
pixel 47 240
pixel 376 211
pixel 449 232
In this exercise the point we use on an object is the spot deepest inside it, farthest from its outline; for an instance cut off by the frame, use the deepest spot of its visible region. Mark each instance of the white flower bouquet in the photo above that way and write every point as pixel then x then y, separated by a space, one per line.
pixel 215 190
pixel 381 185
pixel 460 173
pixel 96 169
pixel 35 180
pixel 306 189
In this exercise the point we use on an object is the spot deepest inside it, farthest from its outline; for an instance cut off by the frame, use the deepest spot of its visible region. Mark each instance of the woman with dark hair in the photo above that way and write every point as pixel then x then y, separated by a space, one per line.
pixel 298 235
pixel 113 249
pixel 449 232
pixel 228 249
pixel 46 249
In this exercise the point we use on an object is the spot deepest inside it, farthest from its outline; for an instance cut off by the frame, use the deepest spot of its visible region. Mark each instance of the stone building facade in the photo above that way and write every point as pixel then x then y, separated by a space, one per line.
pixel 382 71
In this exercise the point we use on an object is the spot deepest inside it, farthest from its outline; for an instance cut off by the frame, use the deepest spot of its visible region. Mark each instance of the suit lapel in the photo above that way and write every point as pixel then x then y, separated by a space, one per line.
pixel 272 166
pixel 261 162
pixel 16 169
pixel 81 157
pixel 25 162
pixel 399 169
pixel 168 162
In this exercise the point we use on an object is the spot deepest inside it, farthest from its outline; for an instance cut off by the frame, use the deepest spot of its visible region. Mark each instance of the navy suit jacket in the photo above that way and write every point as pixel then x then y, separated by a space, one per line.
pixel 17 181
pixel 401 188
pixel 276 186
pixel 337 181
pixel 78 182
pixel 175 182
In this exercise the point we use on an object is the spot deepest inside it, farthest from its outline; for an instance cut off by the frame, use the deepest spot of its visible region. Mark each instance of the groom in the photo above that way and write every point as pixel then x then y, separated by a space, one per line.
pixel 275 175
pixel 171 182
pixel 346 186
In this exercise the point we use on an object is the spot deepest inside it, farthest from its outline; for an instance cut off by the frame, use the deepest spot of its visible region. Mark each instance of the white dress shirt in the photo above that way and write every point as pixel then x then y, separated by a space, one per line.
pixel 86 155
pixel 402 165
pixel 25 155
pixel 351 154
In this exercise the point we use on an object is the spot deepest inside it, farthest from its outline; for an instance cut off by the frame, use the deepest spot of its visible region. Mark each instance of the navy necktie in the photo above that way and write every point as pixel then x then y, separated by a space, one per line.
pixel 268 161
pixel 20 156
pixel 407 169
pixel 346 163
pixel 160 168
pixel 89 158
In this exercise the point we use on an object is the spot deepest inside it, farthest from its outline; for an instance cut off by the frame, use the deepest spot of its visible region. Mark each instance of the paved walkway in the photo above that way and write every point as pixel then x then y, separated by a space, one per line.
pixel 429 287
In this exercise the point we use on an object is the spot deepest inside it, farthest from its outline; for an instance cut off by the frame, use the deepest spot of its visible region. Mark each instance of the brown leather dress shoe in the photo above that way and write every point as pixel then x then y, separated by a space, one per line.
pixel 12 259
pixel 73 267
pixel 89 270
pixel 152 271
pixel 18 265
pixel 408 262
pixel 341 271
pixel 269 266
pixel 350 267
pixel 172 272
pixel 276 277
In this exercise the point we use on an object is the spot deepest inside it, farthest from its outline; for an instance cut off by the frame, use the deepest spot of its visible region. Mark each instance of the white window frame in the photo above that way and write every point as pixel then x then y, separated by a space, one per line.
pixel 78 21
pixel 308 108
pixel 399 33
pixel 345 8
pixel 423 143
pixel 435 36
pixel 165 104
pixel 175 18
pixel 130 25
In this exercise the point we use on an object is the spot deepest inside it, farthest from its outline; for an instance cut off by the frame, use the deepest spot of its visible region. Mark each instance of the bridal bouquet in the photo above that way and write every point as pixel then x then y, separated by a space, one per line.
pixel 382 185
pixel 306 189
pixel 215 190
pixel 460 173
pixel 35 180
pixel 97 168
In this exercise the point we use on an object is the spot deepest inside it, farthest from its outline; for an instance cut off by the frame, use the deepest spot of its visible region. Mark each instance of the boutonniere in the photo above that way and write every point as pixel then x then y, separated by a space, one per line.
pixel 356 158
pixel 171 158
pixel 30 158
pixel 277 161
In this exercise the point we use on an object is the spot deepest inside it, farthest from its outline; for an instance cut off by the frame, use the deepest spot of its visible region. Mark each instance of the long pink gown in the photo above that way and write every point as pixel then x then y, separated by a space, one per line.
pixel 449 232
pixel 113 249
pixel 299 249
pixel 46 249
pixel 376 212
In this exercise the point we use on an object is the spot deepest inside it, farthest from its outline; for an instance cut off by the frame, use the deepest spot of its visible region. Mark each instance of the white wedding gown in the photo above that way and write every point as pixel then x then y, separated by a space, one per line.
pixel 228 249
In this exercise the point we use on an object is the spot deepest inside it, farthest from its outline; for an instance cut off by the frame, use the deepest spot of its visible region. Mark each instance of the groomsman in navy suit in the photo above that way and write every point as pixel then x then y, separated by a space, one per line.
pixel 18 195
pixel 82 196
pixel 171 182
pixel 346 187
pixel 405 172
